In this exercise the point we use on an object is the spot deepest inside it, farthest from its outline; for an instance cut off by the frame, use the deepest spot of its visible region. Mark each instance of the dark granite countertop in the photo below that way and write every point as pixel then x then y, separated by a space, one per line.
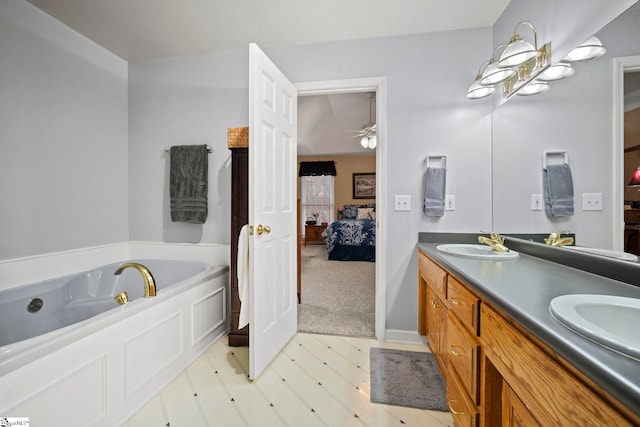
pixel 522 289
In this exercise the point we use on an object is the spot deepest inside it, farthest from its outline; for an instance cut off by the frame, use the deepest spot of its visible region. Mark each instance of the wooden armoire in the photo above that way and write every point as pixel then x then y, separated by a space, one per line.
pixel 238 143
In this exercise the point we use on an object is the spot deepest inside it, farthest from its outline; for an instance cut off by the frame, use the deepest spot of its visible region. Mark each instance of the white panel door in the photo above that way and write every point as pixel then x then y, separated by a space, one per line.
pixel 272 210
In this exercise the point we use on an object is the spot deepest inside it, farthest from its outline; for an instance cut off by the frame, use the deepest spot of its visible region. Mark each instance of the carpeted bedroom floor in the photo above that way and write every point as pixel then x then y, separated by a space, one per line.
pixel 338 297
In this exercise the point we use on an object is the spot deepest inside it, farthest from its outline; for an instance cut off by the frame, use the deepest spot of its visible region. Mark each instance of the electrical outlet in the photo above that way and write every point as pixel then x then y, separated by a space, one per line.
pixel 450 203
pixel 401 203
pixel 592 201
pixel 536 202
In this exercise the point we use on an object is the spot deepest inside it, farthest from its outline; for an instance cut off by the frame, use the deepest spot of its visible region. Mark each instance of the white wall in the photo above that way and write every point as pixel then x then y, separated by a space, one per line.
pixel 183 101
pixel 574 116
pixel 194 99
pixel 63 137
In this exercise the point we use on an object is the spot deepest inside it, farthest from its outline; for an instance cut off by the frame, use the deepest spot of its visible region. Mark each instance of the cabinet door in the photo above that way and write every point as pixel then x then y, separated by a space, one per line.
pixel 436 327
pixel 514 412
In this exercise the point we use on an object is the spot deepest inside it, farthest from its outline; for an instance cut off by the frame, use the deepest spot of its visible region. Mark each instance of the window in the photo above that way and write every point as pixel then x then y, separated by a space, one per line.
pixel 317 197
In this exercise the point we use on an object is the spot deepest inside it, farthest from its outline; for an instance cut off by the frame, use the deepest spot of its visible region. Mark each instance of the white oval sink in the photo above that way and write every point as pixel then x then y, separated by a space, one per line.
pixel 476 251
pixel 608 320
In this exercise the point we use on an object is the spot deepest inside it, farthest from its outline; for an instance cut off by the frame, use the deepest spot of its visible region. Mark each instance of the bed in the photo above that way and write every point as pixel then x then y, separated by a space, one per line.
pixel 353 237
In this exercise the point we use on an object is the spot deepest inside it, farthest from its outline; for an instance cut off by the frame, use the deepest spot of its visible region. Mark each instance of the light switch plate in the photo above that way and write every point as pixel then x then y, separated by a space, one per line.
pixel 536 202
pixel 592 202
pixel 401 203
pixel 450 203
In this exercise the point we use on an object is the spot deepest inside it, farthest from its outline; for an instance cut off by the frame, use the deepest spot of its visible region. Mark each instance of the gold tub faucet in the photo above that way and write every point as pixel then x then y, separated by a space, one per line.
pixel 495 241
pixel 554 239
pixel 149 281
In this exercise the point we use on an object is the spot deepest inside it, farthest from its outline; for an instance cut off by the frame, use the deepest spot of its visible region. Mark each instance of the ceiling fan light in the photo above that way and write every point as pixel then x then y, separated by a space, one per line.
pixel 364 142
pixel 558 71
pixel 591 48
pixel 373 141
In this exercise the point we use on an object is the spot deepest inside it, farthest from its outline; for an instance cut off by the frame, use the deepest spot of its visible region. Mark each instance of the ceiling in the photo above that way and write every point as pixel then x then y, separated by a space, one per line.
pixel 144 29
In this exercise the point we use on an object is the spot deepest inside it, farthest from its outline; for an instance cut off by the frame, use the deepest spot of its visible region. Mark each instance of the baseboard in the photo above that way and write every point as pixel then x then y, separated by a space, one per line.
pixel 402 336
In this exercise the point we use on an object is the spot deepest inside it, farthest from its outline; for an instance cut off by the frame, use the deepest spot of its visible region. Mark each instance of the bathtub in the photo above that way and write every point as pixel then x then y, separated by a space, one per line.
pixel 70 355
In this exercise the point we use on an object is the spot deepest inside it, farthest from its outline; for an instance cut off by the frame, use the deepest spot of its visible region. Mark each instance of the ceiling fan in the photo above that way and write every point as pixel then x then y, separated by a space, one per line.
pixel 367 134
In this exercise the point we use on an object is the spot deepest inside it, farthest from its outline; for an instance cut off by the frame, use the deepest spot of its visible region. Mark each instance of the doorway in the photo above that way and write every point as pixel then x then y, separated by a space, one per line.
pixel 623 67
pixel 378 86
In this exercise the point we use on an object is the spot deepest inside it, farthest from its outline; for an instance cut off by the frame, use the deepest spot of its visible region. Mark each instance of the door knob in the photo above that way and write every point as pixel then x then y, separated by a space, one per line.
pixel 263 229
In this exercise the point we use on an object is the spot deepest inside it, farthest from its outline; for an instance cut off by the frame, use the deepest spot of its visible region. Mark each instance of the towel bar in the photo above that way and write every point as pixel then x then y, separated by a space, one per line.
pixel 545 154
pixel 441 157
pixel 209 149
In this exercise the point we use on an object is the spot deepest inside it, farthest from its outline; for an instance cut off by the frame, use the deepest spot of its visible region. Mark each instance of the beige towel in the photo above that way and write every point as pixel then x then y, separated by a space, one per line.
pixel 242 271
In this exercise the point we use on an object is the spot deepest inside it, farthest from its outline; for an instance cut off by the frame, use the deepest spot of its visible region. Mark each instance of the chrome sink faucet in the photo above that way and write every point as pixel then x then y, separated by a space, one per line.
pixel 149 281
pixel 495 241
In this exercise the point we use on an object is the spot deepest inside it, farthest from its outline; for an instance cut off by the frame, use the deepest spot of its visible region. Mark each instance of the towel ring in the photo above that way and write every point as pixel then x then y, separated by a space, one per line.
pixel 545 154
pixel 442 158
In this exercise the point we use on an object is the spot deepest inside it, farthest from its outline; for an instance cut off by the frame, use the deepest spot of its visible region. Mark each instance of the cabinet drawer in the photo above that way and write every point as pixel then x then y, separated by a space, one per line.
pixel 435 276
pixel 464 304
pixel 463 411
pixel 547 388
pixel 463 354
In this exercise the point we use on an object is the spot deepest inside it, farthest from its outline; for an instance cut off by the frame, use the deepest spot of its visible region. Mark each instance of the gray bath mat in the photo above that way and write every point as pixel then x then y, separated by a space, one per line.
pixel 407 378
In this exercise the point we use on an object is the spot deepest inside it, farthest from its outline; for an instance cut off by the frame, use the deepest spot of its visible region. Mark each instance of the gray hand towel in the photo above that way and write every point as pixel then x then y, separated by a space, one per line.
pixel 435 180
pixel 188 183
pixel 557 188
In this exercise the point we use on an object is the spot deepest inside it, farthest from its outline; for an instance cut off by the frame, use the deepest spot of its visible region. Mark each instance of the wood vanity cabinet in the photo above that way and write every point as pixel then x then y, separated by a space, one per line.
pixel 496 373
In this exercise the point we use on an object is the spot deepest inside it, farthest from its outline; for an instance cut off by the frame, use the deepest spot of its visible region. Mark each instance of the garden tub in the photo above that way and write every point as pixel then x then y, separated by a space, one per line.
pixel 71 355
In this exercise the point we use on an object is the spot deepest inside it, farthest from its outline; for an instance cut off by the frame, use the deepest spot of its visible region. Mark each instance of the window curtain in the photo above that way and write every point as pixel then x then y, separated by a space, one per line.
pixel 317 198
pixel 317 168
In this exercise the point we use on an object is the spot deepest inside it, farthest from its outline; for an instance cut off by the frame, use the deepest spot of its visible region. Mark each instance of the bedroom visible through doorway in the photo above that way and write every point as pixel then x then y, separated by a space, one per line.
pixel 338 270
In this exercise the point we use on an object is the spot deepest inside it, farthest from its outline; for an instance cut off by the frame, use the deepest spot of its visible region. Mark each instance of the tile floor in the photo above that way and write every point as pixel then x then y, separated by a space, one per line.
pixel 317 380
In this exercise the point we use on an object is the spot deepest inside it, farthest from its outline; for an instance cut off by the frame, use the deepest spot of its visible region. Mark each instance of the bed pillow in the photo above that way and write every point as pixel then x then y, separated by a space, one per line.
pixel 364 213
pixel 350 211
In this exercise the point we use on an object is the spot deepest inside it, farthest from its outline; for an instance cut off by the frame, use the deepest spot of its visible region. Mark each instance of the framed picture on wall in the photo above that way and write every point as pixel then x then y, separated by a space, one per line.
pixel 364 185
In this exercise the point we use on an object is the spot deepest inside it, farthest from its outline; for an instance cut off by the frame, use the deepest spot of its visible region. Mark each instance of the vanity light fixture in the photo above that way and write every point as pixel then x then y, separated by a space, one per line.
pixel 478 90
pixel 518 65
pixel 493 73
pixel 591 48
pixel 558 71
pixel 518 50
pixel 534 87
pixel 635 178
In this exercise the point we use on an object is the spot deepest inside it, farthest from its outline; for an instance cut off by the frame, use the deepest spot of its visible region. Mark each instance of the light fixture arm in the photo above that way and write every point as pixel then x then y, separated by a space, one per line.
pixel 495 56
pixel 516 36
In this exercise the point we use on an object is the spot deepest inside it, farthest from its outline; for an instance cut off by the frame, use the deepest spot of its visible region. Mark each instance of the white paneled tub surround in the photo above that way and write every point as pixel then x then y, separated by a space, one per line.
pixel 101 370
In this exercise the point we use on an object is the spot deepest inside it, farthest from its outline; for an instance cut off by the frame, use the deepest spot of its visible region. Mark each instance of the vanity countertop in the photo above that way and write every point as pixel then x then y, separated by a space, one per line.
pixel 522 288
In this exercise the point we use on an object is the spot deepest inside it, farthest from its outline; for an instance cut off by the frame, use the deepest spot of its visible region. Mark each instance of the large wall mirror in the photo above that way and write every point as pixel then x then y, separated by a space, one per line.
pixel 576 117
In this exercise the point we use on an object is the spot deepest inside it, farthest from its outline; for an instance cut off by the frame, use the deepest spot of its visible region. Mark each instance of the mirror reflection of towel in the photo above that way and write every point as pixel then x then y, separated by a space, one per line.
pixel 188 183
pixel 435 180
pixel 242 272
pixel 557 188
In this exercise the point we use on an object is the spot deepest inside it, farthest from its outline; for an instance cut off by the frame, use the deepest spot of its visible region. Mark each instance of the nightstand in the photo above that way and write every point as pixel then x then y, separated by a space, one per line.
pixel 313 234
